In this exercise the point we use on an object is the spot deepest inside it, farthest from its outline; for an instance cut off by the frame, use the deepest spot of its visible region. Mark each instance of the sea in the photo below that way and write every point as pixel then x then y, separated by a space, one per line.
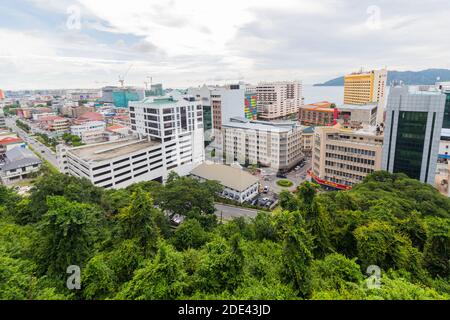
pixel 316 94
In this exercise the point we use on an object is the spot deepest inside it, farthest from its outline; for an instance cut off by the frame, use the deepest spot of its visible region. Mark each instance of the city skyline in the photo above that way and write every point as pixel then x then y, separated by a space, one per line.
pixel 88 44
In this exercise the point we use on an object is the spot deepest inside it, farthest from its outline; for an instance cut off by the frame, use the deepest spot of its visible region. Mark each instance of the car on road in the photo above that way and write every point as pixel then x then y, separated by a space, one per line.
pixel 266 189
pixel 281 175
pixel 42 151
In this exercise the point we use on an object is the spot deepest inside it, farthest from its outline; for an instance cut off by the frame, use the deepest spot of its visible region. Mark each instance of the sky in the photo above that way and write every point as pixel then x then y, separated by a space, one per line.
pixel 49 44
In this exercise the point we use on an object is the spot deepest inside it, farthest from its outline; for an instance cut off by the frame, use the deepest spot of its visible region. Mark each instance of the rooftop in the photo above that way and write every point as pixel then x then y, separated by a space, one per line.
pixel 10 140
pixel 19 157
pixel 229 177
pixel 368 106
pixel 275 126
pixel 111 150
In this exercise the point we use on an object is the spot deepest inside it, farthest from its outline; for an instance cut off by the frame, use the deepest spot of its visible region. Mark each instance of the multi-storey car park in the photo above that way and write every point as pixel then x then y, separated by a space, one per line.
pixel 168 136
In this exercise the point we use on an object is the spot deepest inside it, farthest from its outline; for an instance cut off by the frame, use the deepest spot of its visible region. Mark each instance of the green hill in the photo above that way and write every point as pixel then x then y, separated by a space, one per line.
pixel 425 77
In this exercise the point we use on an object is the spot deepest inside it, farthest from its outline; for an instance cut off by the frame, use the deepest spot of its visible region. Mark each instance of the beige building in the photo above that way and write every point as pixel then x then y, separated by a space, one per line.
pixel 342 157
pixel 273 144
pixel 277 100
pixel 367 87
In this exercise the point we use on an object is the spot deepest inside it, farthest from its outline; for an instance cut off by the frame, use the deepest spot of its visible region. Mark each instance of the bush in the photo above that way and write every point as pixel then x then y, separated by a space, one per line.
pixel 285 183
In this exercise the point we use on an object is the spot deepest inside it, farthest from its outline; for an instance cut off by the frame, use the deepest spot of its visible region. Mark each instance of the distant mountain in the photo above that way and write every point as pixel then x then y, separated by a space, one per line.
pixel 425 77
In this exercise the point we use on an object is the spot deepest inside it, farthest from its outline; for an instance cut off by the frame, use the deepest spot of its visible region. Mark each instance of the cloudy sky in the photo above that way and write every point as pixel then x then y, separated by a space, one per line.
pixel 89 43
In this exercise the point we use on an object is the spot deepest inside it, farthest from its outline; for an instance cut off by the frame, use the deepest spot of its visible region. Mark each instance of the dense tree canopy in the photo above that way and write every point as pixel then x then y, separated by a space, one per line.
pixel 315 245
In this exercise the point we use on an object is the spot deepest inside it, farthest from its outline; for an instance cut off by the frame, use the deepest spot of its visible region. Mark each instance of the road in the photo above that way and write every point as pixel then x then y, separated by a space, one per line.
pixel 228 212
pixel 37 146
pixel 296 177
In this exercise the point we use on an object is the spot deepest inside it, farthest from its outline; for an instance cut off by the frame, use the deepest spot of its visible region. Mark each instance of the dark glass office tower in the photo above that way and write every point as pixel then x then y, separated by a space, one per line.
pixel 446 123
pixel 413 128
pixel 410 143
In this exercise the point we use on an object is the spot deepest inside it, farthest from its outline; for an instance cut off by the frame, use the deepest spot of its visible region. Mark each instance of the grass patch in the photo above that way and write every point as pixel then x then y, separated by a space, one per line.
pixel 285 183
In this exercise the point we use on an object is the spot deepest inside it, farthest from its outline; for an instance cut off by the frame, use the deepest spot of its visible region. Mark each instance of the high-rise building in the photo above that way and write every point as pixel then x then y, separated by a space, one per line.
pixel 176 121
pixel 413 130
pixel 121 96
pixel 274 144
pixel 446 121
pixel 342 157
pixel 155 90
pixel 279 99
pixel 366 87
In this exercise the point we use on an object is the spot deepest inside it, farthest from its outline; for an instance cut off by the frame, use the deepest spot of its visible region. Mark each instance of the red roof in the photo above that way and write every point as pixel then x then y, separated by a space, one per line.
pixel 10 140
pixel 90 116
pixel 115 127
pixel 122 117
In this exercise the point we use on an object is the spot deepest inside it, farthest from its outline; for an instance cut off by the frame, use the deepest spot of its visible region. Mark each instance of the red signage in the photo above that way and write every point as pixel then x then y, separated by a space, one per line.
pixel 328 183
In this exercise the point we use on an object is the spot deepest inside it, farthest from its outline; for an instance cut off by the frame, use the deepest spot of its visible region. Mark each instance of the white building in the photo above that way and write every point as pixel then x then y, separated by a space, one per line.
pixel 90 132
pixel 170 138
pixel 277 100
pixel 238 185
pixel 274 144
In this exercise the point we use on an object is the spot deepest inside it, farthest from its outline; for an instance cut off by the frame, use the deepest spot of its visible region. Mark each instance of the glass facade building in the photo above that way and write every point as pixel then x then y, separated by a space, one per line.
pixel 412 132
pixel 446 123
pixel 410 143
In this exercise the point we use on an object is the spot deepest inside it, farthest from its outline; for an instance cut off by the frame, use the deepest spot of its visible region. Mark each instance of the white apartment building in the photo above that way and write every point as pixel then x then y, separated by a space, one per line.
pixel 90 132
pixel 277 100
pixel 169 138
pixel 343 157
pixel 273 144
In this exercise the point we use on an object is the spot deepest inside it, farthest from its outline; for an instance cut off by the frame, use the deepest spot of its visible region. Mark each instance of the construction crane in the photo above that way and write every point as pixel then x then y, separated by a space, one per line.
pixel 122 78
pixel 147 83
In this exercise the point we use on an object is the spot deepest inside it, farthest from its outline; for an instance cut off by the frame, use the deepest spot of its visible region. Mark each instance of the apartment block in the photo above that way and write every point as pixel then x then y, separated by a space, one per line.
pixel 367 87
pixel 273 144
pixel 343 157
pixel 276 100
pixel 413 129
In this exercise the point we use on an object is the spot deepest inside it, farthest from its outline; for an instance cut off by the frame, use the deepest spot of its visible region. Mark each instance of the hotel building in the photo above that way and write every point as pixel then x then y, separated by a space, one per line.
pixel 367 87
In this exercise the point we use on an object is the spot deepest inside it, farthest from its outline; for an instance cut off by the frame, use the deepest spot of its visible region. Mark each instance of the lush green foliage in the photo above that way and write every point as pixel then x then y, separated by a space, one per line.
pixel 315 246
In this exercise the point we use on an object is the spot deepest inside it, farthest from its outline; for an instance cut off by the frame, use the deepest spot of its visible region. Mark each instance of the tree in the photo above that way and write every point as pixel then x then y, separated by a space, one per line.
pixel 437 247
pixel 221 266
pixel 137 221
pixel 67 235
pixel 297 258
pixel 183 195
pixel 189 234
pixel 160 279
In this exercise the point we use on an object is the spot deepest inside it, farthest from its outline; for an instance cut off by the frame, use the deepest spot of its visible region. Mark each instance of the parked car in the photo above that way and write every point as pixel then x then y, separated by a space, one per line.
pixel 266 189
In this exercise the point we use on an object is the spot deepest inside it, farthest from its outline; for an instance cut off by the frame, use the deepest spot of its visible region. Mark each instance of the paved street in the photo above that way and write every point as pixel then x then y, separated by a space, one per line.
pixel 37 146
pixel 268 178
pixel 228 212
